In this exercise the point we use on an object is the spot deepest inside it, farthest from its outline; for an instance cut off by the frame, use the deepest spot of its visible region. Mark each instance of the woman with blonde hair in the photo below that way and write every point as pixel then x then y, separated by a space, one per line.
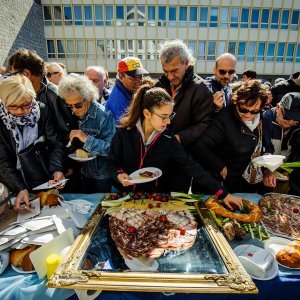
pixel 143 140
pixel 24 123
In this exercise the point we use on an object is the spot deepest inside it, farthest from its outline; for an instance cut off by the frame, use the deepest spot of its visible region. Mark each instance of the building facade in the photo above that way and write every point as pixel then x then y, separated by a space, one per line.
pixel 263 35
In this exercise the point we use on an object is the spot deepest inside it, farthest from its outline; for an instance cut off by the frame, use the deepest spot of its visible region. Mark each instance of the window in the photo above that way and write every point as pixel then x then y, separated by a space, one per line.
pixel 193 16
pixel 234 20
pixel 130 48
pixel 100 49
pixel 251 51
pixel 298 54
pixel 151 49
pixel 275 19
pixel 182 15
pixel 141 15
pixel 130 15
pixel 213 17
pixel 50 49
pixel 285 19
pixel 241 51
pixel 60 49
pixel 161 16
pixel 192 46
pixel 88 17
pixel 141 49
pixel 265 18
pixel 231 48
pixel 80 48
pixel 172 16
pixel 47 16
pixel 245 18
pixel 151 15
pixel 111 51
pixel 68 15
pixel 57 15
pixel 90 49
pixel 295 21
pixel 224 17
pixel 280 51
pixel 221 47
pixel 120 49
pixel 70 49
pixel 211 55
pixel 254 18
pixel 290 52
pixel 109 15
pixel 99 15
pixel 261 52
pixel 120 15
pixel 203 16
pixel 271 52
pixel 201 50
pixel 77 15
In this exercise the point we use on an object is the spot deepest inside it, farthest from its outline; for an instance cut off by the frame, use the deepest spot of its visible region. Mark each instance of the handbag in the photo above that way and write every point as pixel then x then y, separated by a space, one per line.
pixel 34 161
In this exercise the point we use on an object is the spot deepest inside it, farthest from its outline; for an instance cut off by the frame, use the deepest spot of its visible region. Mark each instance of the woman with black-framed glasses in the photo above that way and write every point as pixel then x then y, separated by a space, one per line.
pixel 234 138
pixel 144 140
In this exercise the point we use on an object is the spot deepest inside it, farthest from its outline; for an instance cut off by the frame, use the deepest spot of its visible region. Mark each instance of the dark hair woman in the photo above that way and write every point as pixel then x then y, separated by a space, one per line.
pixel 143 140
pixel 234 138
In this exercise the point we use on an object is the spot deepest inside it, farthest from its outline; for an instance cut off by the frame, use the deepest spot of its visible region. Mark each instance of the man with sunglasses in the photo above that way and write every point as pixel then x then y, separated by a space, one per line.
pixel 128 80
pixel 55 72
pixel 224 69
pixel 281 132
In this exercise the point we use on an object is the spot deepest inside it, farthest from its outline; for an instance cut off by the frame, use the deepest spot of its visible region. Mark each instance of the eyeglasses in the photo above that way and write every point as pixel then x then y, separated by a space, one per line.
pixel 164 119
pixel 135 78
pixel 223 72
pixel 76 106
pixel 247 111
pixel 51 74
pixel 22 107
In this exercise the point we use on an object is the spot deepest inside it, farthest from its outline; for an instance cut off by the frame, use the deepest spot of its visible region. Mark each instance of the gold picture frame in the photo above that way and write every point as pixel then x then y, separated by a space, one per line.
pixel 235 281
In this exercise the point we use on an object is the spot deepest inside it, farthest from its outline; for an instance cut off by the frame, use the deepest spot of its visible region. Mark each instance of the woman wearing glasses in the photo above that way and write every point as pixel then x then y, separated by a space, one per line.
pixel 96 129
pixel 143 140
pixel 24 122
pixel 234 138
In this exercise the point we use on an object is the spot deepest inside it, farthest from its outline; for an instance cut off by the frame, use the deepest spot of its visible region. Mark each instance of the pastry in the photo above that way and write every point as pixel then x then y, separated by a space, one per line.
pixel 20 258
pixel 289 255
pixel 80 153
pixel 147 174
pixel 49 198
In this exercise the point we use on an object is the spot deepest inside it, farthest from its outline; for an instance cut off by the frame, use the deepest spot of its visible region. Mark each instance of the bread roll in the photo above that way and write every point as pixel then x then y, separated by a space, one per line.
pixel 80 153
pixel 20 258
pixel 49 198
pixel 290 255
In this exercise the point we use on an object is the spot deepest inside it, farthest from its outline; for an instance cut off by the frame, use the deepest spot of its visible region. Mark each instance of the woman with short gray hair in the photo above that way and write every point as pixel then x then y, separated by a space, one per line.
pixel 96 129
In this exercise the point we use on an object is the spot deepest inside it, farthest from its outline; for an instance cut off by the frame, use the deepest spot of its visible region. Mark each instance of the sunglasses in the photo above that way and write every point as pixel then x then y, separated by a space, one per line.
pixel 22 107
pixel 137 78
pixel 76 106
pixel 51 74
pixel 164 119
pixel 247 111
pixel 223 72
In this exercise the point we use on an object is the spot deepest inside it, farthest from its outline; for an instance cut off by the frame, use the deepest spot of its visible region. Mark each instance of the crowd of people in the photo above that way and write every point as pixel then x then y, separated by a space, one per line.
pixel 202 133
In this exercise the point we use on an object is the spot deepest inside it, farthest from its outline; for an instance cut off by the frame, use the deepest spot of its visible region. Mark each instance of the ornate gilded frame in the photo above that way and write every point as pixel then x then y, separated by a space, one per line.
pixel 236 281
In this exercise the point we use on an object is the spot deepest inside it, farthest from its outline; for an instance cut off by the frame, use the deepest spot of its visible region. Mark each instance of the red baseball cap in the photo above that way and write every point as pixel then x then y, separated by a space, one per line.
pixel 132 66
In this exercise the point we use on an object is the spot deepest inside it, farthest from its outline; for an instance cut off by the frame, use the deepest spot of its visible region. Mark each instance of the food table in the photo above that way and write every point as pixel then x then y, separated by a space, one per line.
pixel 27 286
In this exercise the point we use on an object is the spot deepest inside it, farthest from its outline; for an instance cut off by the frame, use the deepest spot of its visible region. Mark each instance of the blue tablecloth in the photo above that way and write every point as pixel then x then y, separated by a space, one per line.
pixel 28 287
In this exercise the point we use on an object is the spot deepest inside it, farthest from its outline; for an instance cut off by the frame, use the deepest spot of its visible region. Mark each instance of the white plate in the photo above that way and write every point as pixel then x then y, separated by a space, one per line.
pixel 19 270
pixel 269 157
pixel 46 185
pixel 73 156
pixel 275 244
pixel 273 271
pixel 272 162
pixel 135 175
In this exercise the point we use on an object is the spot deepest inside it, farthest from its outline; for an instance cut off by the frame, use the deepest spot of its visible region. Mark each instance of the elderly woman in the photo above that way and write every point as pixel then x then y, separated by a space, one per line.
pixel 235 137
pixel 96 129
pixel 23 123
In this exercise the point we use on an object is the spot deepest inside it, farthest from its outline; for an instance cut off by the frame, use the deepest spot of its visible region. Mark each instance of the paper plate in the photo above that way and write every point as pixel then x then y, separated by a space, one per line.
pixel 275 244
pixel 73 156
pixel 19 270
pixel 136 178
pixel 272 162
pixel 273 271
pixel 46 185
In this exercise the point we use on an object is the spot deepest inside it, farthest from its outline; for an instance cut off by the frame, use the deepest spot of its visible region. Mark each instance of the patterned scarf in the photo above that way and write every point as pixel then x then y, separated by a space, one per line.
pixel 28 124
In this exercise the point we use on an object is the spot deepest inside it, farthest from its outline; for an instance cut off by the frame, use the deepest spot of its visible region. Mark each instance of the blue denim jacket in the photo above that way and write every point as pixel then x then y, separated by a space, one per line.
pixel 100 128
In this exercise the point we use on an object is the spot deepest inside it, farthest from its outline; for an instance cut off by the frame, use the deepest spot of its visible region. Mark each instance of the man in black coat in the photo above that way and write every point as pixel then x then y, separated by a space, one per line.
pixel 193 100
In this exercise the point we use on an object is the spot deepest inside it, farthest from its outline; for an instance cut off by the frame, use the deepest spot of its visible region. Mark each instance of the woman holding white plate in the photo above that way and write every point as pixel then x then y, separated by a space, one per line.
pixel 143 140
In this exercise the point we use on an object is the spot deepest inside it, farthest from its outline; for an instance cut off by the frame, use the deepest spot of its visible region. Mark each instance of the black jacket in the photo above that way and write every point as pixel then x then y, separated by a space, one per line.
pixel 125 157
pixel 226 142
pixel 9 175
pixel 193 106
pixel 65 120
pixel 284 87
